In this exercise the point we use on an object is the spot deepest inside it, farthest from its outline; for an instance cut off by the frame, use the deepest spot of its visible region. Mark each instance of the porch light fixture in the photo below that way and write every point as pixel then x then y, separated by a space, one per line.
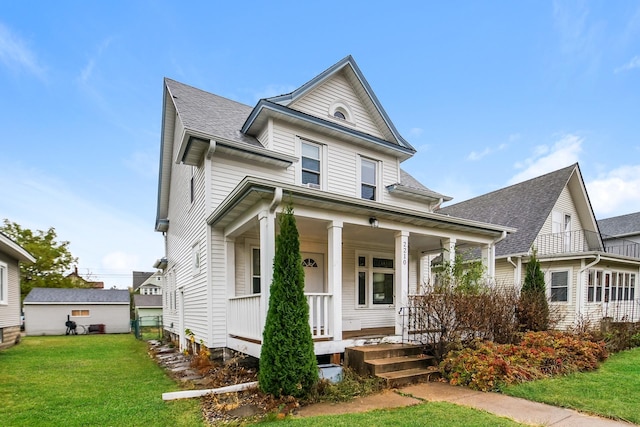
pixel 373 221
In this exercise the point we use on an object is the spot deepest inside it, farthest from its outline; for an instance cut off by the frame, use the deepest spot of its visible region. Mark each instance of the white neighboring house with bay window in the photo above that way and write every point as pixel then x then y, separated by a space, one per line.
pixel 366 226
pixel 587 277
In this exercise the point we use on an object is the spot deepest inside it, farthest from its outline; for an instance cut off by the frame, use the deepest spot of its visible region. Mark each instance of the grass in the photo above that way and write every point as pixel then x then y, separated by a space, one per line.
pixel 433 414
pixel 88 380
pixel 611 391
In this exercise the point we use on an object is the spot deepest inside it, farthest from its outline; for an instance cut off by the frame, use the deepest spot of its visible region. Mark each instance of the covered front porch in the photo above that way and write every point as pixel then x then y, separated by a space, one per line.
pixel 362 260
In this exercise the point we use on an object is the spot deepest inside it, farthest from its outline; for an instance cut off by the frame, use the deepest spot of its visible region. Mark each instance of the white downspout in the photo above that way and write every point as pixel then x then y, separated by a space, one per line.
pixel 580 289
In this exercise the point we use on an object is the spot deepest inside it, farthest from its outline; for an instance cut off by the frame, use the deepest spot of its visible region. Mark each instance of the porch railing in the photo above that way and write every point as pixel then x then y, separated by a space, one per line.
pixel 568 242
pixel 244 317
pixel 319 319
pixel 584 241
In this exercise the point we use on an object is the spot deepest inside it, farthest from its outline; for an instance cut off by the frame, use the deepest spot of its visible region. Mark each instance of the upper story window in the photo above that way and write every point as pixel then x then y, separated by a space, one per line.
pixel 192 184
pixel 368 179
pixel 339 115
pixel 311 164
pixel 561 228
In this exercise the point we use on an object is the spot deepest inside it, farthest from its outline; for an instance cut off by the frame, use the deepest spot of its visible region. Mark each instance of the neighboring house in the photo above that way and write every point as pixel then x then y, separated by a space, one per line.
pixel 81 282
pixel 585 280
pixel 147 283
pixel 11 255
pixel 148 309
pixel 47 310
pixel 621 234
pixel 228 169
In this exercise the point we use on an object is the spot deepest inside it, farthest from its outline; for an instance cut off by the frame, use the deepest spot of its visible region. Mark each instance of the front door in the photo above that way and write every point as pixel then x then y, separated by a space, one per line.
pixel 313 265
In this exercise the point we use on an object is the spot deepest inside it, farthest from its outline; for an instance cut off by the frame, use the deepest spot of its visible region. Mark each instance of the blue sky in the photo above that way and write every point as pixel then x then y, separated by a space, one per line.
pixel 490 93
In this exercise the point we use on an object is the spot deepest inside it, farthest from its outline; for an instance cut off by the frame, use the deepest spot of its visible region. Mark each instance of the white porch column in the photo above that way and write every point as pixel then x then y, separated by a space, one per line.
pixel 267 252
pixel 335 276
pixel 230 267
pixel 449 251
pixel 489 260
pixel 401 276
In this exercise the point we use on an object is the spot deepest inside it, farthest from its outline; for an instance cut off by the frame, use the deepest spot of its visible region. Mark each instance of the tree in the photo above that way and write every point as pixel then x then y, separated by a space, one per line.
pixel 533 307
pixel 53 258
pixel 287 360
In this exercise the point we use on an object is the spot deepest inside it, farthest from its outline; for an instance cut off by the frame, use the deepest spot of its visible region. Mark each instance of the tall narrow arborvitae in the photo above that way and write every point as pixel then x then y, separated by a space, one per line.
pixel 533 307
pixel 287 360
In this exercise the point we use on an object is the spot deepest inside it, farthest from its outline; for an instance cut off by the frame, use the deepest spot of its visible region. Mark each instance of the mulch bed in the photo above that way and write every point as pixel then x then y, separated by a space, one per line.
pixel 220 409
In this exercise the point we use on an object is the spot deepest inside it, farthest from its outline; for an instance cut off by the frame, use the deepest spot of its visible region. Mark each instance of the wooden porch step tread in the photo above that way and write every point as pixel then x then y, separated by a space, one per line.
pixel 409 373
pixel 399 359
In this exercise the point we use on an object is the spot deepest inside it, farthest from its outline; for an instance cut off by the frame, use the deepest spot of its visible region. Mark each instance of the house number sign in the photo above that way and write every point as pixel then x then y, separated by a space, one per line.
pixel 405 250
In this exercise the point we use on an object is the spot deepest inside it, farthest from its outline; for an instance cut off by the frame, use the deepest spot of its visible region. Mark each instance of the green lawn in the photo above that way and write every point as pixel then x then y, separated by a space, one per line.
pixel 611 391
pixel 432 414
pixel 87 380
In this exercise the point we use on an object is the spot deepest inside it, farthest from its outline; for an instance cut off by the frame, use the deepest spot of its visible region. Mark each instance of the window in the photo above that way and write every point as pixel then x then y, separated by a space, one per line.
pixel 375 278
pixel 559 286
pixel 192 185
pixel 610 286
pixel 80 313
pixel 561 228
pixel 368 179
pixel 311 162
pixel 4 283
pixel 339 115
pixel 255 270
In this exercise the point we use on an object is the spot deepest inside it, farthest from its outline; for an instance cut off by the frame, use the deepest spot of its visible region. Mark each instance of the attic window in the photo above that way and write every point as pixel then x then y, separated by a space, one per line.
pixel 340 110
pixel 339 115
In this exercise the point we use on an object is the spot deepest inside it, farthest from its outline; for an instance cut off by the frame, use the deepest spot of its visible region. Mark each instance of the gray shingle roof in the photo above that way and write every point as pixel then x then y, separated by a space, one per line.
pixel 147 300
pixel 139 278
pixel 75 295
pixel 622 225
pixel 524 206
pixel 210 114
pixel 409 181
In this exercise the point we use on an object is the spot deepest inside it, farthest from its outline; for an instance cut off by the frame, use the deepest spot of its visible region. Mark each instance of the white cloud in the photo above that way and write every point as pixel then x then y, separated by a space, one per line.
pixel 474 155
pixel 548 159
pixel 16 55
pixel 634 63
pixel 88 69
pixel 100 236
pixel 615 192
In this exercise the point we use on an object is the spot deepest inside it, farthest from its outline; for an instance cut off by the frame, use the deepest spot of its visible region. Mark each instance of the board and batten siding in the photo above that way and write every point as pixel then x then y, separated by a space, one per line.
pixel 318 102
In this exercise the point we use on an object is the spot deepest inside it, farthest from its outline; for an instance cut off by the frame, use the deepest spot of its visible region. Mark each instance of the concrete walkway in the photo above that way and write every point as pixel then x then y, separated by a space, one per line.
pixel 520 410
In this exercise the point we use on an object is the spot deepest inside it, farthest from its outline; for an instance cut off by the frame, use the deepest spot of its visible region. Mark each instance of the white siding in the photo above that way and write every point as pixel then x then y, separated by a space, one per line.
pixel 10 313
pixel 318 102
pixel 50 319
pixel 566 205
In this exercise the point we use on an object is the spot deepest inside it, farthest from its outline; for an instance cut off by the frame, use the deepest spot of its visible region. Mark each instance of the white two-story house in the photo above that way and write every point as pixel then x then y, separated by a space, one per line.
pixel 328 148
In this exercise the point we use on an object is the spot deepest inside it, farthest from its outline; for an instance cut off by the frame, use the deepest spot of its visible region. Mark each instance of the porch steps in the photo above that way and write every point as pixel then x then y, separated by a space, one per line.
pixel 398 364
